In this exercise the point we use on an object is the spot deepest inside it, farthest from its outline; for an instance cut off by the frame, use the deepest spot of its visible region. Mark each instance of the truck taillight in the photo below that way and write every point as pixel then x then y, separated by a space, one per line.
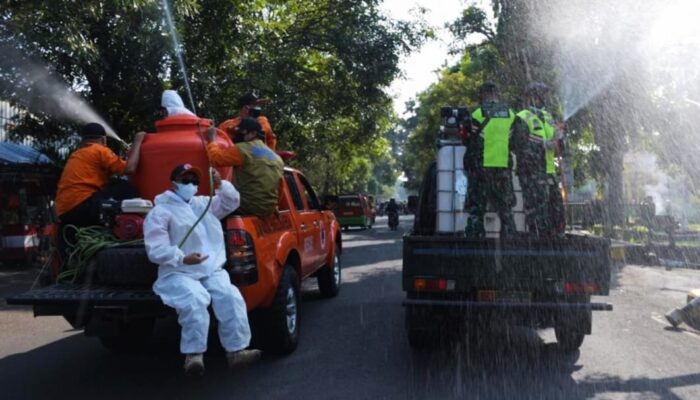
pixel 433 284
pixel 241 261
pixel 587 287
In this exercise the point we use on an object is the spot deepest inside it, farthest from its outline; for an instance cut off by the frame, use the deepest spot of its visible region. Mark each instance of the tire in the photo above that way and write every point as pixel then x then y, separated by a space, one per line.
pixel 569 340
pixel 329 277
pixel 278 326
pixel 130 337
pixel 419 338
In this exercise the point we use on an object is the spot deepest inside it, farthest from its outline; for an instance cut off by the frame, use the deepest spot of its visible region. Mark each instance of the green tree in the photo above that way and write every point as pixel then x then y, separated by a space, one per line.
pixel 325 65
pixel 457 86
pixel 111 52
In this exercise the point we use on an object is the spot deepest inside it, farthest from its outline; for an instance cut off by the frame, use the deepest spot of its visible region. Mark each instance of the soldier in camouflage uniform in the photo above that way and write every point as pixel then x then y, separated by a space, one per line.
pixel 535 137
pixel 488 164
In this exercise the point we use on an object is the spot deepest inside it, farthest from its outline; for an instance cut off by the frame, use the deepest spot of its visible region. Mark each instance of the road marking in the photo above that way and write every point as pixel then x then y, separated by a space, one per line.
pixel 662 320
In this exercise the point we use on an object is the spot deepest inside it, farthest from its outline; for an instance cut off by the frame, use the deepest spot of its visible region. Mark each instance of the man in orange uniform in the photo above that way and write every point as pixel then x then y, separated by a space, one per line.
pixel 85 179
pixel 258 169
pixel 249 107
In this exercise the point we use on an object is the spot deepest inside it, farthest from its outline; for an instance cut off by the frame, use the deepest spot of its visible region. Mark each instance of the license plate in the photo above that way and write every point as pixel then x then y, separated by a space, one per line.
pixel 504 296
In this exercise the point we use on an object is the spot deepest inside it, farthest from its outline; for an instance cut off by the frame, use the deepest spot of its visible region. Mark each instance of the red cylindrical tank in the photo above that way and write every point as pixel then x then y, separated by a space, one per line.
pixel 178 139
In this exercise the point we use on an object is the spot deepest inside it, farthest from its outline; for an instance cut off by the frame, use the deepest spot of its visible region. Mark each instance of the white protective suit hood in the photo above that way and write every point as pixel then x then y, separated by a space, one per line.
pixel 172 102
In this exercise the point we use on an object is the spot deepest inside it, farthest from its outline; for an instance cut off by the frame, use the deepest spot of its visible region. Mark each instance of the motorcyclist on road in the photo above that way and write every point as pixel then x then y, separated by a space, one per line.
pixel 392 211
pixel 392 206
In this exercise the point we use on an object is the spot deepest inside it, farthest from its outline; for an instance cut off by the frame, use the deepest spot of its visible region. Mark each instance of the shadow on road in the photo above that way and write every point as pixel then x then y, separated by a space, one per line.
pixel 15 280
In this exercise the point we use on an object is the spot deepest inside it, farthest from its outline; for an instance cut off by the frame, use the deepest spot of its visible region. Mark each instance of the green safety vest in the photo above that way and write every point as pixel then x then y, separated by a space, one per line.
pixel 496 136
pixel 258 179
pixel 543 130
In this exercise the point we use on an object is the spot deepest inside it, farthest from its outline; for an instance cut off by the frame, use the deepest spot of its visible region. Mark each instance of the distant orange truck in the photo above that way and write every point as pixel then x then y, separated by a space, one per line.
pixel 267 258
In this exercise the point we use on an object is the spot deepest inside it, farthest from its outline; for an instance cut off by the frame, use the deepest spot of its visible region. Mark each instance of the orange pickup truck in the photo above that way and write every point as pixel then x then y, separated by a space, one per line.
pixel 267 258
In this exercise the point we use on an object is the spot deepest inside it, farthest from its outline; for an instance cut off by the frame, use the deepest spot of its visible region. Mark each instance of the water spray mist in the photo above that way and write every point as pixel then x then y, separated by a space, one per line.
pixel 178 52
pixel 42 91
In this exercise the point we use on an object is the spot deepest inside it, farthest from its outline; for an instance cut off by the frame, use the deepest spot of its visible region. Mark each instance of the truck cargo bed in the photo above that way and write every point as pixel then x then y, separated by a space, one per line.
pixel 513 264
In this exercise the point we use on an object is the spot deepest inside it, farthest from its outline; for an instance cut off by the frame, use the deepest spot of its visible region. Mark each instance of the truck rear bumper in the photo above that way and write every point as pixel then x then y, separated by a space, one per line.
pixel 513 307
pixel 56 299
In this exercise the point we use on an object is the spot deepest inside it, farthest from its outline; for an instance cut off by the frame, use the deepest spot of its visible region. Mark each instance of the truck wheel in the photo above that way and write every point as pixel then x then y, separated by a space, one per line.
pixel 419 339
pixel 569 340
pixel 418 336
pixel 129 337
pixel 278 326
pixel 329 276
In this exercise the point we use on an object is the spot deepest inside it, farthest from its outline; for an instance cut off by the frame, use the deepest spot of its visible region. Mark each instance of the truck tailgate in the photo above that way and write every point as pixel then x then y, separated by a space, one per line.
pixel 83 295
pixel 521 263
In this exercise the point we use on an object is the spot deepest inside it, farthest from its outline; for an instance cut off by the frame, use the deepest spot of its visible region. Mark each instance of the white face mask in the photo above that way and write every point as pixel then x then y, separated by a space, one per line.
pixel 186 191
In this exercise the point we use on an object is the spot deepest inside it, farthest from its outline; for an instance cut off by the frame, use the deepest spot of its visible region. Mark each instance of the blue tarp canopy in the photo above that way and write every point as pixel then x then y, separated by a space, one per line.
pixel 13 153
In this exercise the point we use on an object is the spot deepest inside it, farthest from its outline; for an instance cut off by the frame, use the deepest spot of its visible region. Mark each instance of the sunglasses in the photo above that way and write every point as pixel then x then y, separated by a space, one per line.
pixel 187 181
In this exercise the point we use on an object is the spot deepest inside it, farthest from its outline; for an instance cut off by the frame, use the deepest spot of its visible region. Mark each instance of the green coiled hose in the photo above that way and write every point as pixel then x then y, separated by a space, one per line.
pixel 88 242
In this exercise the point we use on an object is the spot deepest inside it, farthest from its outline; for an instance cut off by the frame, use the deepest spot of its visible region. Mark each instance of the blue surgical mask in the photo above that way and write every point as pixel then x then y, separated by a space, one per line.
pixel 186 190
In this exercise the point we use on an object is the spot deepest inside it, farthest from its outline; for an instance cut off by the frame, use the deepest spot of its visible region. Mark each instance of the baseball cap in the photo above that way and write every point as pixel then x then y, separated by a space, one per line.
pixel 181 169
pixel 93 130
pixel 250 99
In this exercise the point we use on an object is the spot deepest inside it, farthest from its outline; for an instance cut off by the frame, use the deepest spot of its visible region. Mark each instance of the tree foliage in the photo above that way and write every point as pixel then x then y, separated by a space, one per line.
pixel 324 64
pixel 517 46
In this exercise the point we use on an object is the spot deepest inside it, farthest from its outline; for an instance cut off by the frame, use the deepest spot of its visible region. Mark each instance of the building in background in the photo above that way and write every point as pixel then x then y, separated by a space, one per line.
pixel 28 181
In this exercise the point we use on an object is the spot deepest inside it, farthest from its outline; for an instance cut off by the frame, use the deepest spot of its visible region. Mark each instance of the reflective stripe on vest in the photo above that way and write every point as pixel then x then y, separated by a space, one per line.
pixel 539 132
pixel 496 136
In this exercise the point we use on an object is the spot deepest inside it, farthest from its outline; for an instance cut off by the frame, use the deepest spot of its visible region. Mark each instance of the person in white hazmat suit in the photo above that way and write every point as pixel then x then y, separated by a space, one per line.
pixel 173 105
pixel 190 276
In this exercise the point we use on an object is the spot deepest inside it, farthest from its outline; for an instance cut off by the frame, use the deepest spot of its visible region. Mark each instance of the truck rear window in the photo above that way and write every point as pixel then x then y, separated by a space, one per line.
pixel 294 190
pixel 347 203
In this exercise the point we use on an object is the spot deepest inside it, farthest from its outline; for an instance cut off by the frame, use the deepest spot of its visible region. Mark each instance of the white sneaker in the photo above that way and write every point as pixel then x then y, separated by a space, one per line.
pixel 241 358
pixel 194 364
pixel 674 317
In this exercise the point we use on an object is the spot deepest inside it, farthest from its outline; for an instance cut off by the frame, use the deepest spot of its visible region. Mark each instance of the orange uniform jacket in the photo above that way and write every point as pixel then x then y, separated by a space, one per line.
pixel 270 138
pixel 229 157
pixel 87 171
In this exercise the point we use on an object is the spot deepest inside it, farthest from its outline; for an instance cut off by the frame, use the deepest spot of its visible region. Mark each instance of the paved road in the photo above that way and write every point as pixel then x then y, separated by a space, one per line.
pixel 353 347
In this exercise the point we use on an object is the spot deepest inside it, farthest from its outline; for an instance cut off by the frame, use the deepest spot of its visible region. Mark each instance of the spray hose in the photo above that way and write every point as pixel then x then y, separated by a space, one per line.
pixel 211 191
pixel 88 242
pixel 562 175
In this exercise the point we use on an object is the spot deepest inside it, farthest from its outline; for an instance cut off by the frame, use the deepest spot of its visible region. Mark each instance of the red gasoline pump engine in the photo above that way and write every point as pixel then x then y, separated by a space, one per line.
pixel 128 226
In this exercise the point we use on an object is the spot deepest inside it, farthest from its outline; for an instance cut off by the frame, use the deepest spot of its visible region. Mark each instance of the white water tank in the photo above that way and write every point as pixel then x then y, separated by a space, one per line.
pixel 451 189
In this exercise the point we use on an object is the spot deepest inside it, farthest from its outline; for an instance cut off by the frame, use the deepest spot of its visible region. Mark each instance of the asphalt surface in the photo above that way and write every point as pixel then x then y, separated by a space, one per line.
pixel 354 347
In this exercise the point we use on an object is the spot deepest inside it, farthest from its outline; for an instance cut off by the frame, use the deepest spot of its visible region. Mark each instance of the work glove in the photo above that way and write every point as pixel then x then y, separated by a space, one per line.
pixel 211 134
